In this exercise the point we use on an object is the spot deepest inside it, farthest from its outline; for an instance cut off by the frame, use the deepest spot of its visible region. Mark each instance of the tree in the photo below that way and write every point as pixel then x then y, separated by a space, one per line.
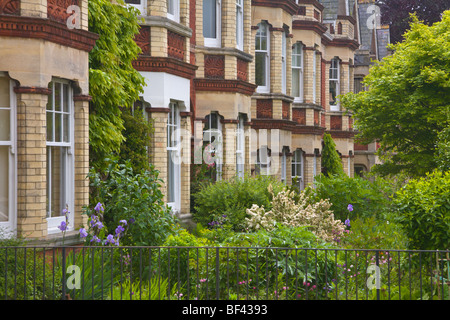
pixel 331 162
pixel 396 14
pixel 408 100
pixel 113 82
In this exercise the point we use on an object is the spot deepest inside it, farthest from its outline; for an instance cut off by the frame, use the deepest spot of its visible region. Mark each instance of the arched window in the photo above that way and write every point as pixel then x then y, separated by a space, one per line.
pixel 298 168
pixel 334 84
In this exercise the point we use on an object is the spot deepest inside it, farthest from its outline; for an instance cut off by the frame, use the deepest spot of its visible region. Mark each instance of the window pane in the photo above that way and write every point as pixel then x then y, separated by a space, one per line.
pixel 170 177
pixel 56 181
pixel 50 126
pixel 260 68
pixel 58 96
pixel 133 1
pixel 333 92
pixel 58 127
pixel 5 129
pixel 66 98
pixel 4 183
pixel 170 7
pixel 209 19
pixel 296 82
pixel 4 93
pixel 66 126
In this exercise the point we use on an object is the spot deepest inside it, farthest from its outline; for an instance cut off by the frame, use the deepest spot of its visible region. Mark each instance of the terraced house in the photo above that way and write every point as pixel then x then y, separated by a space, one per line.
pixel 252 85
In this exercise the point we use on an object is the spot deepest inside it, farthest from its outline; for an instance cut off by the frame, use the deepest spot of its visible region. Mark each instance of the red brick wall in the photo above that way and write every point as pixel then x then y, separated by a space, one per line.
pixel 264 108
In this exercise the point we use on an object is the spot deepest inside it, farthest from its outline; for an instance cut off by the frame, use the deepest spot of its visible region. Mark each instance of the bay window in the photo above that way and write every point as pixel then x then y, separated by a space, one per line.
pixel 60 166
pixel 297 168
pixel 240 147
pixel 240 24
pixel 212 22
pixel 173 158
pixel 141 5
pixel 334 84
pixel 212 141
pixel 297 72
pixel 262 58
pixel 173 10
pixel 283 62
pixel 7 152
pixel 263 161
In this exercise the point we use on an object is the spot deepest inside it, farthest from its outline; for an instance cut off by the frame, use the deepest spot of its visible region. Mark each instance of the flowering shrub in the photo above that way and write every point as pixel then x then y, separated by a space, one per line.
pixel 285 211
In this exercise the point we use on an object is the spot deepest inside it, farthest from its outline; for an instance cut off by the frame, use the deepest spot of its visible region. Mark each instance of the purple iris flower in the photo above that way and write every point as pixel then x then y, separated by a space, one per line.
pixel 99 207
pixel 83 233
pixel 347 222
pixel 350 207
pixel 63 226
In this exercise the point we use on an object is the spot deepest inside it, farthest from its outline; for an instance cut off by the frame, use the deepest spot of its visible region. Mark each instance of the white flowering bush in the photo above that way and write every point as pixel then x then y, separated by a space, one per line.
pixel 317 216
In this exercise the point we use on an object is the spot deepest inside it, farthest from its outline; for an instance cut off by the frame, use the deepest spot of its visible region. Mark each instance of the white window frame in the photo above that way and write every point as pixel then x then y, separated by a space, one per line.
pixel 173 153
pixel 283 62
pixel 263 26
pixel 8 228
pixel 67 147
pixel 298 159
pixel 263 167
pixel 283 165
pixel 240 147
pixel 175 16
pixel 214 130
pixel 217 41
pixel 240 24
pixel 335 66
pixel 299 67
pixel 141 6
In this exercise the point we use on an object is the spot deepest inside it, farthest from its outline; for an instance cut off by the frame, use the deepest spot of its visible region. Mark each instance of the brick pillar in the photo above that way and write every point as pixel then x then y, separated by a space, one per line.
pixel 185 124
pixel 158 146
pixel 81 104
pixel 31 161
pixel 229 149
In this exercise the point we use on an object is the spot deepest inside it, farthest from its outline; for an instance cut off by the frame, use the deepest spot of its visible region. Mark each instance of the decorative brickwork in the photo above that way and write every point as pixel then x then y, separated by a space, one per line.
pixel 214 66
pixel 175 45
pixel 299 116
pixel 317 15
pixel 57 9
pixel 11 7
pixel 142 39
pixel 242 70
pixel 264 108
pixel 336 122
pixel 285 110
pixel 161 64
pixel 224 86
pixel 316 117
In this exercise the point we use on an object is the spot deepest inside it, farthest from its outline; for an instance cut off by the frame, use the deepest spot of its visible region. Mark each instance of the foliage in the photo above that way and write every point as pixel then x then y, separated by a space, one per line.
pixel 137 138
pixel 331 162
pixel 24 273
pixel 201 175
pixel 317 216
pixel 370 233
pixel 407 103
pixel 423 207
pixel 443 150
pixel 368 198
pixel 155 289
pixel 396 14
pixel 132 196
pixel 113 82
pixel 232 197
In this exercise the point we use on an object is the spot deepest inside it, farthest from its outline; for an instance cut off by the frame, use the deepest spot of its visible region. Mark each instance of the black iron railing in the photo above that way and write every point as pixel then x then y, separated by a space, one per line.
pixel 223 273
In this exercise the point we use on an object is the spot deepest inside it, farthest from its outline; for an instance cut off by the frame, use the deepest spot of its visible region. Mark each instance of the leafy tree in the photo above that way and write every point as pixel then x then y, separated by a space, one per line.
pixel 331 162
pixel 396 14
pixel 114 83
pixel 407 103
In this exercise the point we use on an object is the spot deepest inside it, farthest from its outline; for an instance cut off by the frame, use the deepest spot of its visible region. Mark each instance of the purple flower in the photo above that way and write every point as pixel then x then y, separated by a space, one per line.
pixel 83 233
pixel 110 239
pixel 96 239
pixel 131 221
pixel 65 211
pixel 123 221
pixel 99 225
pixel 350 207
pixel 119 230
pixel 347 222
pixel 99 207
pixel 63 226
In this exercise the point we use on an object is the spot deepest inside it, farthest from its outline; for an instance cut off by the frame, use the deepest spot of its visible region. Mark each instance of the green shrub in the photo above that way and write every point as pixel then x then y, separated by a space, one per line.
pixel 25 274
pixel 331 162
pixel 131 196
pixel 423 207
pixel 231 198
pixel 369 199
